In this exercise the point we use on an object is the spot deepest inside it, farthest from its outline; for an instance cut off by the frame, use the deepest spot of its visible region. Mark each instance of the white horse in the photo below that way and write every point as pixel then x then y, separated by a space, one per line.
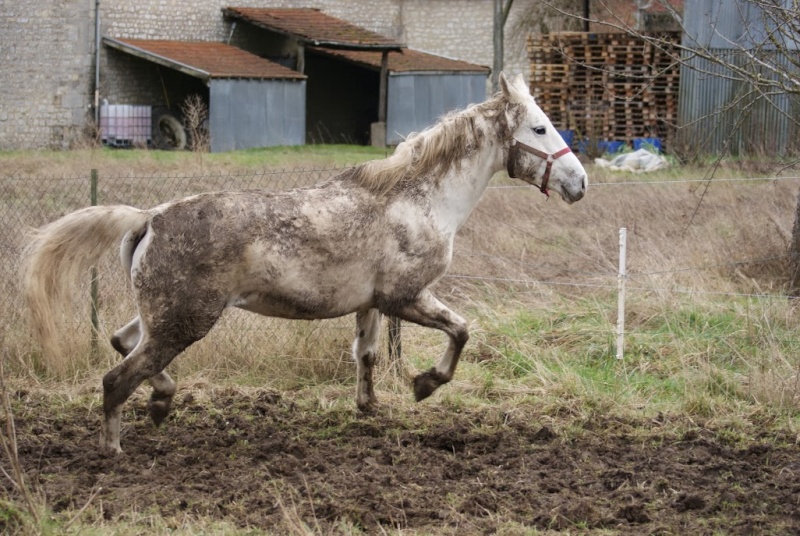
pixel 370 241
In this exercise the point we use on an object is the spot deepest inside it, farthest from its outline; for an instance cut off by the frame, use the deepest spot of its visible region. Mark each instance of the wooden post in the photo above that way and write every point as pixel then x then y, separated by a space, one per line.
pixel 586 16
pixel 500 16
pixel 621 277
pixel 794 254
pixel 497 37
pixel 395 348
pixel 384 84
pixel 94 289
pixel 301 59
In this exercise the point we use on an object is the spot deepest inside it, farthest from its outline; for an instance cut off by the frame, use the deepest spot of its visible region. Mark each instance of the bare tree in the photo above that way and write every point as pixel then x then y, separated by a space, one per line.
pixel 501 10
pixel 195 117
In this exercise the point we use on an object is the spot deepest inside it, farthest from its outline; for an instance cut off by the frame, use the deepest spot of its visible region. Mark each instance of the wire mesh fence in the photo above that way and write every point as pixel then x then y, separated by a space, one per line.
pixel 515 251
pixel 240 340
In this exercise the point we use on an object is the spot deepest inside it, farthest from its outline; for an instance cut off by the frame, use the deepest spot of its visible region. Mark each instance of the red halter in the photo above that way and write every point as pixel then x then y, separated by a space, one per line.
pixel 516 145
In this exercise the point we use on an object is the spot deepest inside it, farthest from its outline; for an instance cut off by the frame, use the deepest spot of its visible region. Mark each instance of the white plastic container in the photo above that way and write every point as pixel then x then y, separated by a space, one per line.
pixel 126 125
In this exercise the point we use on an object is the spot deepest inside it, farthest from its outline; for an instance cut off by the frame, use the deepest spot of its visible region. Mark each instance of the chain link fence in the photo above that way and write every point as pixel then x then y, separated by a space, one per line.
pixel 241 343
pixel 516 253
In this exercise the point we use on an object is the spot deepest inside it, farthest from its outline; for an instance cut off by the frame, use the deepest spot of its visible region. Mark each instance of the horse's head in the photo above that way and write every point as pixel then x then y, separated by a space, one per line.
pixel 536 151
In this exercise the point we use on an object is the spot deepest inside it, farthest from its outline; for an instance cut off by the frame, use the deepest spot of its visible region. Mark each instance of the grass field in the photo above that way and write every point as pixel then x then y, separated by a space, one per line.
pixel 710 377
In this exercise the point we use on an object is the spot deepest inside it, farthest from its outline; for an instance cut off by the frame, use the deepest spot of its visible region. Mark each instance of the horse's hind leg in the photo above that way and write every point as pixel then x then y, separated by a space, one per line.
pixel 365 350
pixel 157 347
pixel 127 337
pixel 430 312
pixel 124 341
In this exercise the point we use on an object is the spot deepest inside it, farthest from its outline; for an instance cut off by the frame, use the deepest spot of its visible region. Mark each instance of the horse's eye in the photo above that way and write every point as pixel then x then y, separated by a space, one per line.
pixel 539 131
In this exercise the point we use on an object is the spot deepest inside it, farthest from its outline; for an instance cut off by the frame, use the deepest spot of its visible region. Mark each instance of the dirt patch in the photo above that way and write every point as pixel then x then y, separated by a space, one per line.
pixel 261 460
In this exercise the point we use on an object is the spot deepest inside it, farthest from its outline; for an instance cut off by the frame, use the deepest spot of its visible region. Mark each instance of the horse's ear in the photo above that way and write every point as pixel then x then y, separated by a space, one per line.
pixel 515 90
pixel 522 87
pixel 504 85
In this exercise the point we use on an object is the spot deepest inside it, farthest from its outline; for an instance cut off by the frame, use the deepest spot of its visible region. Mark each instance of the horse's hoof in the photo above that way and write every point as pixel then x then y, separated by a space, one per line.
pixel 426 383
pixel 109 449
pixel 158 407
pixel 368 408
pixel 109 446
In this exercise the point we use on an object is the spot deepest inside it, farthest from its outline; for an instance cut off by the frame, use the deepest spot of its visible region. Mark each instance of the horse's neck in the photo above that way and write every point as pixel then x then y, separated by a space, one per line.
pixel 463 186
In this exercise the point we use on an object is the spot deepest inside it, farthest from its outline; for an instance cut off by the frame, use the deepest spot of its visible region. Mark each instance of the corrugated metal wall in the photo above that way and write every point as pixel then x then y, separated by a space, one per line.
pixel 733 25
pixel 720 112
pixel 416 101
pixel 256 113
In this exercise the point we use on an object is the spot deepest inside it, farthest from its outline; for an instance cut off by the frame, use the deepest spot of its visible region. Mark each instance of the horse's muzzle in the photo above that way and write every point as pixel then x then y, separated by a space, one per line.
pixel 574 190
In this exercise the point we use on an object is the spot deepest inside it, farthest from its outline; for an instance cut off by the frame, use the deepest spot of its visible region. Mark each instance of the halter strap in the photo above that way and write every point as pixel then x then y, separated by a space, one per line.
pixel 516 145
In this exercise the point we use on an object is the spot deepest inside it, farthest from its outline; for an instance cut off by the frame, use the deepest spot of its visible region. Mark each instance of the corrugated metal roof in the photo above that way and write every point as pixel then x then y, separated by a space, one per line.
pixel 203 59
pixel 408 60
pixel 312 26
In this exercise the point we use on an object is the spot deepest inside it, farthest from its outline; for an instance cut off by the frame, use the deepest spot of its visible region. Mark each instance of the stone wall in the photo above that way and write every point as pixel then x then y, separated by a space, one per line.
pixel 47 50
pixel 46 71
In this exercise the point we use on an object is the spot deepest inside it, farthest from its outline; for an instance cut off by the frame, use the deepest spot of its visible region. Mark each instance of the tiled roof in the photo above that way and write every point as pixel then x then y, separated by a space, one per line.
pixel 408 60
pixel 312 26
pixel 204 59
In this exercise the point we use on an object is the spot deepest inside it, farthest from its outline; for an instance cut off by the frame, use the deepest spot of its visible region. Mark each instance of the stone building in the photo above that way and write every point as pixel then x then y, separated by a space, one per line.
pixel 53 70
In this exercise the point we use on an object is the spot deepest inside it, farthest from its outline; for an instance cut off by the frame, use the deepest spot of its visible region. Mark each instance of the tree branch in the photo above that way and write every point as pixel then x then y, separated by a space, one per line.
pixel 507 10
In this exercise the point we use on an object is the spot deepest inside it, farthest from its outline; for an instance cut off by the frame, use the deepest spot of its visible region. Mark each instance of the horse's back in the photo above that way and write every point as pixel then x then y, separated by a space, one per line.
pixel 292 254
pixel 311 253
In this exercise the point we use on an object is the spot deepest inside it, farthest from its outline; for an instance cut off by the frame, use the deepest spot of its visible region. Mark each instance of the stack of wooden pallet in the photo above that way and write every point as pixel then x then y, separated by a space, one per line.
pixel 607 86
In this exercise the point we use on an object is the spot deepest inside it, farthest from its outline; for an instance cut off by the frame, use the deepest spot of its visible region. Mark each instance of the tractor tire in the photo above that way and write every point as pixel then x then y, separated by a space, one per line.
pixel 170 134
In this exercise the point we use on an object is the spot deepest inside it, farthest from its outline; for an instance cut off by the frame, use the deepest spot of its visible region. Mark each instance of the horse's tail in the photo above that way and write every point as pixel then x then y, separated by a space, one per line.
pixel 60 252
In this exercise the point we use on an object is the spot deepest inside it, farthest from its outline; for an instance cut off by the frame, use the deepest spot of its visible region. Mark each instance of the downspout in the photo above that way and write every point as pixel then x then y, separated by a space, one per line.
pixel 97 63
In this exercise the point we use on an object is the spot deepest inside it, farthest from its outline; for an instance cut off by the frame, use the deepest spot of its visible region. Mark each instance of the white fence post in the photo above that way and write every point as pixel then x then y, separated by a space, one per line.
pixel 621 277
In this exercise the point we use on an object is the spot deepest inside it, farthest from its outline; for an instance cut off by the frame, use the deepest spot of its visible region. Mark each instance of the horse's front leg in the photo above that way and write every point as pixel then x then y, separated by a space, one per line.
pixel 365 351
pixel 429 312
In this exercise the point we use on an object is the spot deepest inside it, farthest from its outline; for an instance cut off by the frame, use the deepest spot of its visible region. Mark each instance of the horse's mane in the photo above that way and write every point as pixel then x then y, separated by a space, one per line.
pixel 435 149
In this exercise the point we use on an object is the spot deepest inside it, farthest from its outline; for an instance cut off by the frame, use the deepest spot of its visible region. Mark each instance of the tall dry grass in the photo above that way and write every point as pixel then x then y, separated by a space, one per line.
pixel 707 319
pixel 195 114
pixel 242 344
pixel 674 237
pixel 537 279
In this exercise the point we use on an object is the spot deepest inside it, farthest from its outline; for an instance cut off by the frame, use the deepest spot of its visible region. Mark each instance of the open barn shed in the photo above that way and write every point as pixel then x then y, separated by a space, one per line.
pixel 252 102
pixel 421 87
pixel 363 87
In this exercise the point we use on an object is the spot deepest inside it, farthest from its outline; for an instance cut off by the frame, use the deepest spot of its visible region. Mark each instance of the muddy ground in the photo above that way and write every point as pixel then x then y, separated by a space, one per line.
pixel 265 460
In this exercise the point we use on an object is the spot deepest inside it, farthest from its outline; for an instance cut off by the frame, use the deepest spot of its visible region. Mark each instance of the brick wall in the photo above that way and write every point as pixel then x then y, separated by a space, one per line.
pixel 47 50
